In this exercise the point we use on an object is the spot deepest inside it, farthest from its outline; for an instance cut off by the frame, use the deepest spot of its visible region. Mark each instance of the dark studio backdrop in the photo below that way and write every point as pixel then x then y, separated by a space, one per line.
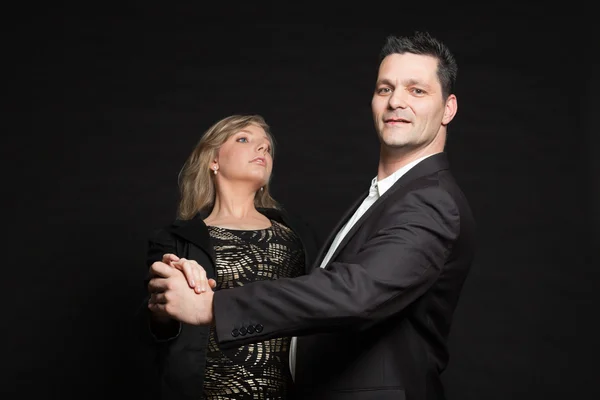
pixel 106 105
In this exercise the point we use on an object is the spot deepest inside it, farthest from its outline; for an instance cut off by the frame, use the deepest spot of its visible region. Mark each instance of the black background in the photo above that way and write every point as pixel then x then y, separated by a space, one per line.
pixel 104 105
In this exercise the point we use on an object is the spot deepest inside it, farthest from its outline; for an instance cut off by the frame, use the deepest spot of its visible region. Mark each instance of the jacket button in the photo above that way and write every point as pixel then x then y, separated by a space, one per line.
pixel 258 328
pixel 235 333
pixel 251 329
pixel 243 331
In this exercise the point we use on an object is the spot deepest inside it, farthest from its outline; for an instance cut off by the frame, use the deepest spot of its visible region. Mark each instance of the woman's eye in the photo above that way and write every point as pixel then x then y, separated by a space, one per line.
pixel 242 140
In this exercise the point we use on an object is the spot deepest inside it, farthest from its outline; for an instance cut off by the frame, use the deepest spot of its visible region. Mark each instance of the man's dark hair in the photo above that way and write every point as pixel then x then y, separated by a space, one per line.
pixel 422 43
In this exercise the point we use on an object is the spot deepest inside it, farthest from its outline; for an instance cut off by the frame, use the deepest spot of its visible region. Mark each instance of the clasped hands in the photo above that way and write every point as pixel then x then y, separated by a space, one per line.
pixel 179 289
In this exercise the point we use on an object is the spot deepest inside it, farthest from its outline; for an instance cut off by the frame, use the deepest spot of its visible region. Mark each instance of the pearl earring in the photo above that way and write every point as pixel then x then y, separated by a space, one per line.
pixel 215 170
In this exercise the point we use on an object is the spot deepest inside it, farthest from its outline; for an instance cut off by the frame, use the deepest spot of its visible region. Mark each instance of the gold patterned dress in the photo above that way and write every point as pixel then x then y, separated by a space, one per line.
pixel 259 370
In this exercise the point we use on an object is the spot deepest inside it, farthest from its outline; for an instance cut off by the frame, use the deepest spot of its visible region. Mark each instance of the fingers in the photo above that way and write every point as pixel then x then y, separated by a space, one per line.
pixel 160 269
pixel 212 283
pixel 194 274
pixel 187 267
pixel 202 281
pixel 159 309
pixel 168 258
pixel 157 285
pixel 158 298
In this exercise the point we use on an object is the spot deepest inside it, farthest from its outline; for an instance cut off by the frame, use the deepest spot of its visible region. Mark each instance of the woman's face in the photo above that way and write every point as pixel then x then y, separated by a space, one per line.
pixel 246 156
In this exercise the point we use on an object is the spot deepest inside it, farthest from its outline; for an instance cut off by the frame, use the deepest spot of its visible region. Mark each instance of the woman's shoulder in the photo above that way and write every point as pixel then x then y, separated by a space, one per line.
pixel 294 221
pixel 281 215
pixel 188 230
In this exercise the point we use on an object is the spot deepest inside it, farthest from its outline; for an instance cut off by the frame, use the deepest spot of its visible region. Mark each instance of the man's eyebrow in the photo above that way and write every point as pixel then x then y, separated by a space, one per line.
pixel 406 82
pixel 414 81
pixel 385 81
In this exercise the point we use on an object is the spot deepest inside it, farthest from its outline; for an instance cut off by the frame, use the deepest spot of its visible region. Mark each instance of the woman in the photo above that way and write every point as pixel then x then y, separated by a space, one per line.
pixel 229 224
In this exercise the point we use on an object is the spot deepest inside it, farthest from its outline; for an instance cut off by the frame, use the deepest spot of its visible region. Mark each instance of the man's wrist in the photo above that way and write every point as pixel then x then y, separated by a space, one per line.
pixel 204 314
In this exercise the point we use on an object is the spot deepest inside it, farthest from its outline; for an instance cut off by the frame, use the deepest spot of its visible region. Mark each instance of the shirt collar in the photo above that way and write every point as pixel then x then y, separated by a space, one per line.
pixel 373 190
pixel 383 185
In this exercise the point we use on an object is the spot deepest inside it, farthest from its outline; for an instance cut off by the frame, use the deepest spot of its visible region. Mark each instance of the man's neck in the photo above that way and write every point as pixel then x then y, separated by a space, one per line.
pixel 389 165
pixel 391 159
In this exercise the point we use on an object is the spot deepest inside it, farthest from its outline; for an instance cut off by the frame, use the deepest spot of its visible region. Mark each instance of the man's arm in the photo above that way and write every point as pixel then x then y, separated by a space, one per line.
pixel 395 267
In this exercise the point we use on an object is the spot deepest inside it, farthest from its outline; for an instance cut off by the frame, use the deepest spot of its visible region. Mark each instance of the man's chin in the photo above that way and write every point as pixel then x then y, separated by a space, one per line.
pixel 394 142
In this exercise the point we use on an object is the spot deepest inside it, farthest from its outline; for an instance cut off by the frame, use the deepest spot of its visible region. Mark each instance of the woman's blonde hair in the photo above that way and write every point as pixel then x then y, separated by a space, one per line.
pixel 196 184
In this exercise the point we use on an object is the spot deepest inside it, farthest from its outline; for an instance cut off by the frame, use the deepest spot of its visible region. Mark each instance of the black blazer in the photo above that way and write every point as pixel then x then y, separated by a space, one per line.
pixel 180 349
pixel 377 318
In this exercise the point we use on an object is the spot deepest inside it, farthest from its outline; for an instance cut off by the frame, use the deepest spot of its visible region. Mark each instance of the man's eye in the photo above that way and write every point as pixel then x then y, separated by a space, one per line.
pixel 383 90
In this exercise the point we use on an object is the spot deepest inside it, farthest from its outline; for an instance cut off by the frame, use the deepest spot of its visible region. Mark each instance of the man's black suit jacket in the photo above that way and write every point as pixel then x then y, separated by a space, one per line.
pixel 375 321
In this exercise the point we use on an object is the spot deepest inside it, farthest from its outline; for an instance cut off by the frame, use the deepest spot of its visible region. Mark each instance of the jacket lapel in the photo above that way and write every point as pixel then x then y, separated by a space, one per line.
pixel 195 232
pixel 282 216
pixel 333 233
pixel 426 167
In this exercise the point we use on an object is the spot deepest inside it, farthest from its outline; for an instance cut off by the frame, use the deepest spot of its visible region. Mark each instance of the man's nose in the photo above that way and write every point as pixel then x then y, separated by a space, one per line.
pixel 397 100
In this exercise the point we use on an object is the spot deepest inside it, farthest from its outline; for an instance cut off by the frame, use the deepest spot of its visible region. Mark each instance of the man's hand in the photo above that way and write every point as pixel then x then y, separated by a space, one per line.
pixel 171 296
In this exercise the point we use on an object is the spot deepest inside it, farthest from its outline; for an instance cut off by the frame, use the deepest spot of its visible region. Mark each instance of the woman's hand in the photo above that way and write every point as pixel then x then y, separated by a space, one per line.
pixel 194 273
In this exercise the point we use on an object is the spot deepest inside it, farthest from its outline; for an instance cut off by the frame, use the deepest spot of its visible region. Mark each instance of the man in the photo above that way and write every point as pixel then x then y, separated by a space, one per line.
pixel 373 320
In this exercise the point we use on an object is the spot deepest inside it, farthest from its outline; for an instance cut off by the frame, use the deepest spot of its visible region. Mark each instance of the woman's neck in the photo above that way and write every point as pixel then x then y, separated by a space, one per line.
pixel 236 212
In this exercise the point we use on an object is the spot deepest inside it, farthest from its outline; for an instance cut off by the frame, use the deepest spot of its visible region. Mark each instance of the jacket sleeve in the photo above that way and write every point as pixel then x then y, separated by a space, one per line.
pixel 179 349
pixel 160 243
pixel 395 266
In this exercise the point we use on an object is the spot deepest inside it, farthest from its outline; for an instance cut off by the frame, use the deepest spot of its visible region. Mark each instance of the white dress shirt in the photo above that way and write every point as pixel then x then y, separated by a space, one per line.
pixel 376 190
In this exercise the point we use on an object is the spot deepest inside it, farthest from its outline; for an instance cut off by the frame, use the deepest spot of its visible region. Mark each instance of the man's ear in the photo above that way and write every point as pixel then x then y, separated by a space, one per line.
pixel 450 109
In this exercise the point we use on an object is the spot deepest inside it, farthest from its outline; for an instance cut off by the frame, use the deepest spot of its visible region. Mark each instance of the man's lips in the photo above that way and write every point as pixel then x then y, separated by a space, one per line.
pixel 395 120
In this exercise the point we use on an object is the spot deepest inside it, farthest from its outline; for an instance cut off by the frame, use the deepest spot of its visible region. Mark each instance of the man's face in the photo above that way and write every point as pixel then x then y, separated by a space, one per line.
pixel 408 107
